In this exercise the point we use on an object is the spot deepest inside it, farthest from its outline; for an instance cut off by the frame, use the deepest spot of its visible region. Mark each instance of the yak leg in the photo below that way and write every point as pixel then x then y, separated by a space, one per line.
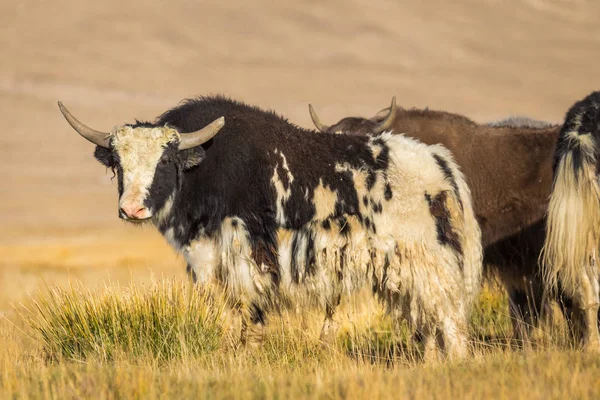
pixel 302 316
pixel 329 331
pixel 587 302
pixel 191 273
pixel 454 339
pixel 521 315
pixel 573 316
pixel 428 334
pixel 330 327
pixel 581 310
pixel 253 327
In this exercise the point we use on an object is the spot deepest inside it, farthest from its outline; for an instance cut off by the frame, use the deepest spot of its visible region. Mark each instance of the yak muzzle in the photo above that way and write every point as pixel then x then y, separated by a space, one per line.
pixel 134 212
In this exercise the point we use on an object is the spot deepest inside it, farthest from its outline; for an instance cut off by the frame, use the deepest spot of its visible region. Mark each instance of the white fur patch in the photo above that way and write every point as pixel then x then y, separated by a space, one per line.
pixel 282 194
pixel 324 200
pixel 139 150
pixel 164 212
pixel 284 244
pixel 203 257
pixel 170 236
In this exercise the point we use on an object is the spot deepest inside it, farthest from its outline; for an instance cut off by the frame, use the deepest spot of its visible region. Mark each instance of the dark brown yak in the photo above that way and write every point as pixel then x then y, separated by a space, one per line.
pixel 508 166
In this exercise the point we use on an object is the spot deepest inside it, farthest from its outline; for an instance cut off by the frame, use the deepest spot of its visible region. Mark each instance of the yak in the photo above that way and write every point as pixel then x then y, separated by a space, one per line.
pixel 570 253
pixel 268 210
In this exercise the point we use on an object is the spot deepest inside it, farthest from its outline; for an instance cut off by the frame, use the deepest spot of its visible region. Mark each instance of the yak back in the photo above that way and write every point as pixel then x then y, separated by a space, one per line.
pixel 253 149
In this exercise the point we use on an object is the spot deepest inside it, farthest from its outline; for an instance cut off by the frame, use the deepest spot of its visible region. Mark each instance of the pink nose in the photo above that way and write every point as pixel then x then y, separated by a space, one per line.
pixel 134 211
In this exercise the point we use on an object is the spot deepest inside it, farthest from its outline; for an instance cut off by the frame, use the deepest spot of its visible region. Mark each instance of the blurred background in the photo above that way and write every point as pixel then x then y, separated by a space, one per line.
pixel 113 61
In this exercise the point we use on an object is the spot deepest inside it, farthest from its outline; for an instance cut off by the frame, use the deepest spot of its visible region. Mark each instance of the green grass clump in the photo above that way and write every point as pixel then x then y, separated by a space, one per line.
pixel 171 320
pixel 490 321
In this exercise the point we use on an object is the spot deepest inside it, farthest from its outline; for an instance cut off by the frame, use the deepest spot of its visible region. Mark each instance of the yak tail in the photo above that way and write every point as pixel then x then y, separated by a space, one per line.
pixel 573 218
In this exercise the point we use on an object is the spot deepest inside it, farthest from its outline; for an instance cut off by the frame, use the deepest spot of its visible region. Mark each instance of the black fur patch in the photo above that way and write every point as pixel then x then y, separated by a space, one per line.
pixel 263 238
pixel 340 271
pixel 353 125
pixel 377 207
pixel 104 156
pixel 446 234
pixel 443 164
pixel 257 315
pixel 383 159
pixel 311 260
pixel 379 142
pixel 191 273
pixel 166 179
pixel 265 254
pixel 370 180
pixel 388 191
pixel 294 263
pixel 344 226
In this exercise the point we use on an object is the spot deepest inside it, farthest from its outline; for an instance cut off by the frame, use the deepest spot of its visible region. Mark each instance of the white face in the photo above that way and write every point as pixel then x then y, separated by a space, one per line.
pixel 140 151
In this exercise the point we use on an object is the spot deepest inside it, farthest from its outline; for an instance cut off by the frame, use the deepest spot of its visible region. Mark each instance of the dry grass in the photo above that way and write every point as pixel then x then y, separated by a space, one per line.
pixel 168 340
pixel 169 321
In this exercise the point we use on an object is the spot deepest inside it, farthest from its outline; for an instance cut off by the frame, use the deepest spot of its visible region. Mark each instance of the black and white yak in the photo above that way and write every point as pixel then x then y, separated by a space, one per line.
pixel 508 167
pixel 270 211
pixel 570 253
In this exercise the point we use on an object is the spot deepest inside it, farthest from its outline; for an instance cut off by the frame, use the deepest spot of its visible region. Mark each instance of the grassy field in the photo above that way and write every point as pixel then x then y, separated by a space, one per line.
pixel 165 339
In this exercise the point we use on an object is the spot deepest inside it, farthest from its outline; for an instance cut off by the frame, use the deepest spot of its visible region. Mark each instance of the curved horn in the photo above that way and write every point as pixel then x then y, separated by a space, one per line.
pixel 316 120
pixel 193 139
pixel 388 122
pixel 94 136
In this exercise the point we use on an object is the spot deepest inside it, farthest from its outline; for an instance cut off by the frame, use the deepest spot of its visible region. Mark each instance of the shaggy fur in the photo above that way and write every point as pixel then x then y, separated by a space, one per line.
pixel 508 167
pixel 570 254
pixel 273 212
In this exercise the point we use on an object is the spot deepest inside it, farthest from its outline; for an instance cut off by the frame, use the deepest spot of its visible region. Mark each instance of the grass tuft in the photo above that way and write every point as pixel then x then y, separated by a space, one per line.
pixel 380 341
pixel 171 320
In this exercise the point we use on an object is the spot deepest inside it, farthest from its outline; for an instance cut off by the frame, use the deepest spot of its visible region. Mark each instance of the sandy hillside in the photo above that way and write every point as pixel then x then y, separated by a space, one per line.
pixel 113 61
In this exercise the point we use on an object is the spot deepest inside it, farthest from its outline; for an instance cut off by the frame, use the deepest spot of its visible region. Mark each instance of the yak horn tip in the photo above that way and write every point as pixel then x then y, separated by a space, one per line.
pixel 388 121
pixel 315 118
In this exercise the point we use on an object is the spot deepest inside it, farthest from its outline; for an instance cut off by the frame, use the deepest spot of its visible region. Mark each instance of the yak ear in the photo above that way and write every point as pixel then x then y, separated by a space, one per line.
pixel 103 156
pixel 191 158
